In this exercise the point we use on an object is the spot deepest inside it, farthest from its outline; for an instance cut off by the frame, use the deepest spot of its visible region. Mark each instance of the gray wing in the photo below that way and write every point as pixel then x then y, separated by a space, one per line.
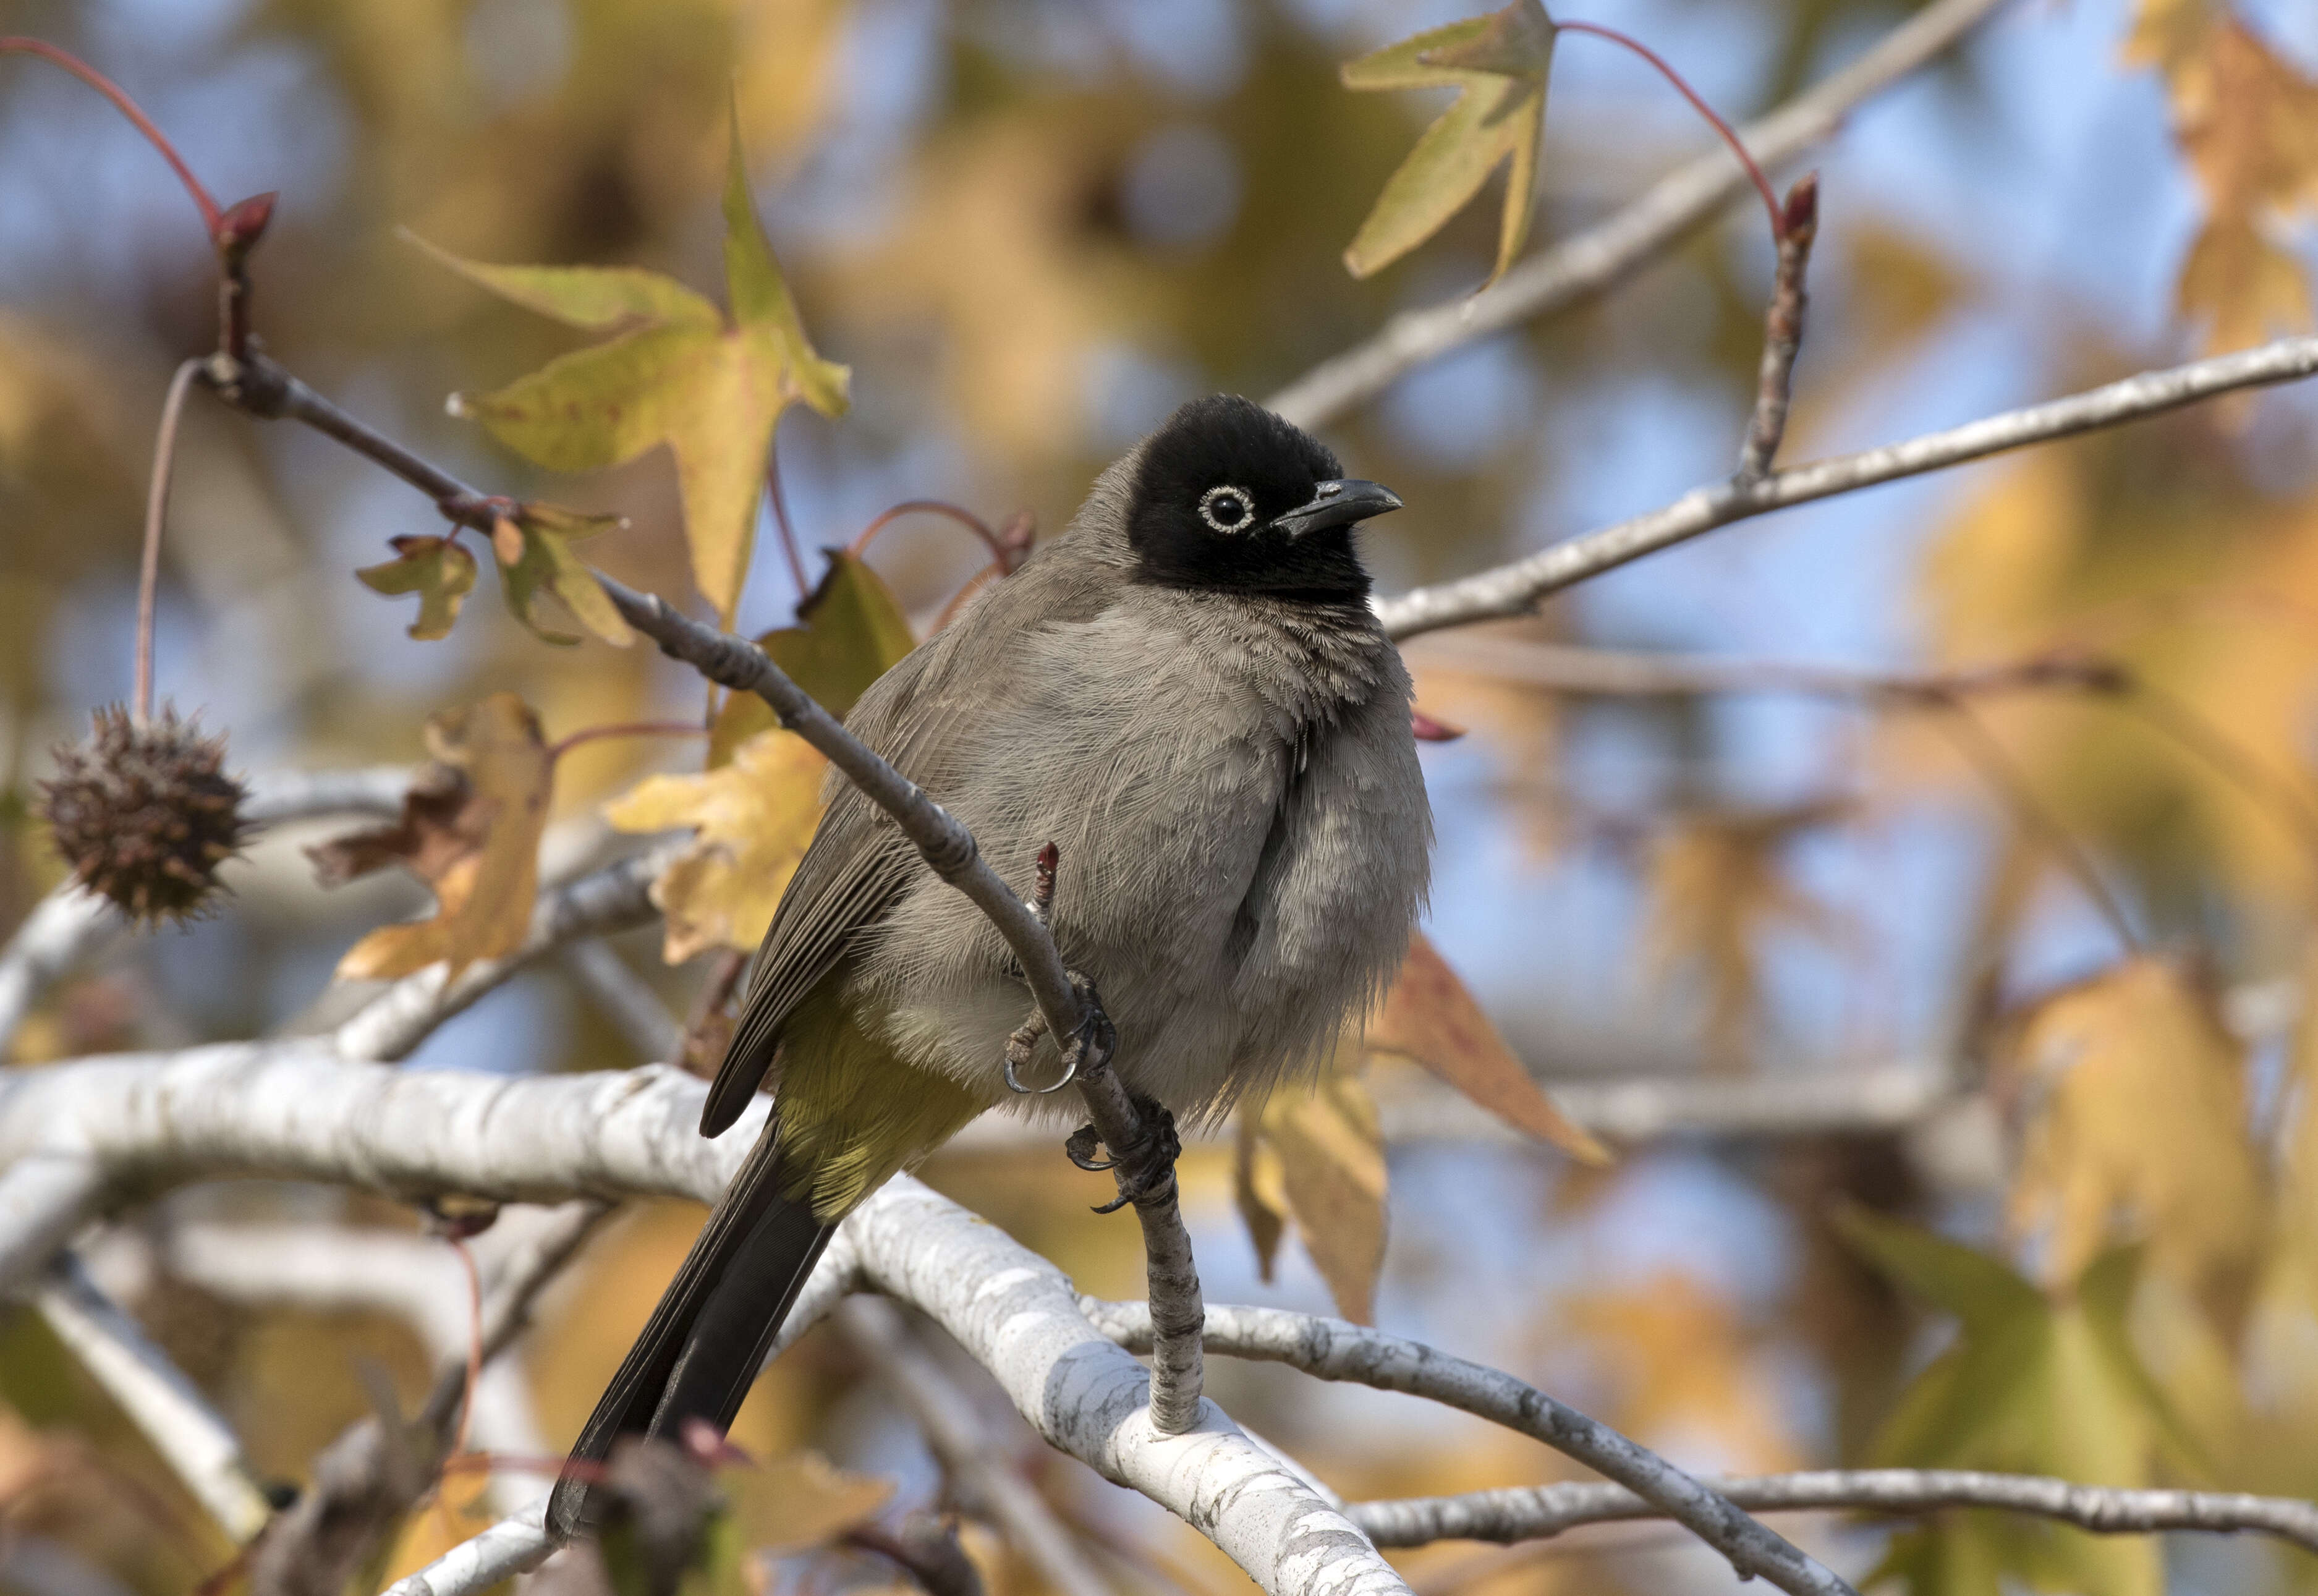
pixel 856 864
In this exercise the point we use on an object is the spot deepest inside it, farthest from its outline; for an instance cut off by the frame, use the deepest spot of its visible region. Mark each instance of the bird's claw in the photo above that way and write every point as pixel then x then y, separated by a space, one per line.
pixel 1080 1151
pixel 1145 1170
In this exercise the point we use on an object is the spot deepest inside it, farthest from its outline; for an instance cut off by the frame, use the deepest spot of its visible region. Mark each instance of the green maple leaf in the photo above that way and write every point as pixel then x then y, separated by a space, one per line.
pixel 440 572
pixel 2033 1384
pixel 677 372
pixel 1499 61
pixel 850 631
pixel 533 547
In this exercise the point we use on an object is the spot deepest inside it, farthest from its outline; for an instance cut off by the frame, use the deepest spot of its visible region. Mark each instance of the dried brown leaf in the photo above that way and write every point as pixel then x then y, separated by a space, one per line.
pixel 471 831
pixel 1429 1018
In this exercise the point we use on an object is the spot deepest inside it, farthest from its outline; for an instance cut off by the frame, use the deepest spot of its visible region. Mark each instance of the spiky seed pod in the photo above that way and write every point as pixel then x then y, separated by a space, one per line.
pixel 145 813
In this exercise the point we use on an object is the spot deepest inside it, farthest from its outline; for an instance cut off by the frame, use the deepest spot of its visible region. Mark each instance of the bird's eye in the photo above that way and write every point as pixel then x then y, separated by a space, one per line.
pixel 1226 508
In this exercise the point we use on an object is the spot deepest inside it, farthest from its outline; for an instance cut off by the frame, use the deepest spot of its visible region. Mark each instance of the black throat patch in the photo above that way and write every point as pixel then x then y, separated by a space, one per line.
pixel 1227 443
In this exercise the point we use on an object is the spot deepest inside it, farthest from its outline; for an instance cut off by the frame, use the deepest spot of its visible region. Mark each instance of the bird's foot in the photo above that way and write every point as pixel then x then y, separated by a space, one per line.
pixel 1146 1168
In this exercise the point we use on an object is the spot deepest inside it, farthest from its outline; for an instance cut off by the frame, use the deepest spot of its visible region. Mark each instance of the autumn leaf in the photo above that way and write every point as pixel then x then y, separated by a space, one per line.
pixel 2247 120
pixel 533 549
pixel 439 570
pixel 1429 1018
pixel 1679 1357
pixel 677 372
pixel 471 831
pixel 1718 886
pixel 800 1500
pixel 850 632
pixel 1258 1193
pixel 2131 1100
pixel 2033 1384
pixel 754 817
pixel 1318 1156
pixel 1498 62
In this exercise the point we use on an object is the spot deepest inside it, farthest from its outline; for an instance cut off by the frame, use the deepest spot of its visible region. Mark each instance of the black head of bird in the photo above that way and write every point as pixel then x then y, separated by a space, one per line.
pixel 1228 495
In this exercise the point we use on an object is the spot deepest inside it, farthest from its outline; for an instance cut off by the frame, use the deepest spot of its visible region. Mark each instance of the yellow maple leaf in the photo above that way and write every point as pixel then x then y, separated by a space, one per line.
pixel 1718 884
pixel 754 816
pixel 1317 1155
pixel 2248 123
pixel 2130 1097
pixel 471 835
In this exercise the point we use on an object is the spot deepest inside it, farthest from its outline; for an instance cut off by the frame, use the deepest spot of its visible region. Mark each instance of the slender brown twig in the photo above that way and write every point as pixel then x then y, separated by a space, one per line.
pixel 210 216
pixel 1783 330
pixel 1698 103
pixel 781 518
pixel 587 734
pixel 1979 746
pixel 933 506
pixel 1517 589
pixel 156 509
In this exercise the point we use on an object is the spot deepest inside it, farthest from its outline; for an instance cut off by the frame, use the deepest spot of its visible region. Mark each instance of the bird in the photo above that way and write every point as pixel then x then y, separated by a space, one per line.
pixel 1188 697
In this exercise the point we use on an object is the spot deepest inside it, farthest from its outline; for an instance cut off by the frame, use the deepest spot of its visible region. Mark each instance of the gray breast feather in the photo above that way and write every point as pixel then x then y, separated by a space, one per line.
pixel 1238 880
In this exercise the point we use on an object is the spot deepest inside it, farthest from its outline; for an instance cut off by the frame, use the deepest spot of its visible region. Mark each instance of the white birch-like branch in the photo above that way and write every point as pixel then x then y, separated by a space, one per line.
pixel 191 1436
pixel 419 1281
pixel 300 1111
pixel 1516 588
pixel 1338 1349
pixel 1606 254
pixel 625 998
pixel 1536 1512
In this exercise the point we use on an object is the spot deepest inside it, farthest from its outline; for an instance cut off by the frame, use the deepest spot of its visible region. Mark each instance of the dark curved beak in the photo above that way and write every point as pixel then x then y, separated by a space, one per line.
pixel 1337 503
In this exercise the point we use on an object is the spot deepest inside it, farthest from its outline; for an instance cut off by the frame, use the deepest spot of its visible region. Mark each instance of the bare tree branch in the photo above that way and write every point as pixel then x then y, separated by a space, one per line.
pixel 1516 588
pixel 190 1435
pixel 626 999
pixel 616 898
pixel 1604 255
pixel 380 1467
pixel 1783 330
pixel 983 1478
pixel 297 1109
pixel 1337 1349
pixel 1536 1512
pixel 514 1545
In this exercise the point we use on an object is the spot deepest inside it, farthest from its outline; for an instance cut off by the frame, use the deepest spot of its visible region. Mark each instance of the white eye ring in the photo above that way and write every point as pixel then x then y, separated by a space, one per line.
pixel 1208 500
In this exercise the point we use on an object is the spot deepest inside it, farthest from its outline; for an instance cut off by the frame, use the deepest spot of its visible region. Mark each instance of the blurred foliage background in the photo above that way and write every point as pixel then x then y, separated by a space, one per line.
pixel 1031 228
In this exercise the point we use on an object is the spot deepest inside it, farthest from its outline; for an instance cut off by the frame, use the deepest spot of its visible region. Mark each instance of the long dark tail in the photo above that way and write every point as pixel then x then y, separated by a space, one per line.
pixel 700 1350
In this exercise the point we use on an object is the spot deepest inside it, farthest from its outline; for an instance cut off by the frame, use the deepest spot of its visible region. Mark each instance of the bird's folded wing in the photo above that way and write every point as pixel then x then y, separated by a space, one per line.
pixel 857 862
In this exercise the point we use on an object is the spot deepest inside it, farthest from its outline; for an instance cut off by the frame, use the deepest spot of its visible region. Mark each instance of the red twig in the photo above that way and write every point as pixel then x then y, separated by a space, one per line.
pixel 1762 184
pixel 156 507
pixel 474 1343
pixel 935 506
pixel 556 750
pixel 211 218
pixel 781 517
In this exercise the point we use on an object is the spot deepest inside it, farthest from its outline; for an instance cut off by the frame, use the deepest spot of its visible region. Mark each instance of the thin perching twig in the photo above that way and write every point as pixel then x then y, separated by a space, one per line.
pixel 156 509
pixel 1538 1511
pixel 1782 329
pixel 1606 255
pixel 1337 1349
pixel 1516 588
